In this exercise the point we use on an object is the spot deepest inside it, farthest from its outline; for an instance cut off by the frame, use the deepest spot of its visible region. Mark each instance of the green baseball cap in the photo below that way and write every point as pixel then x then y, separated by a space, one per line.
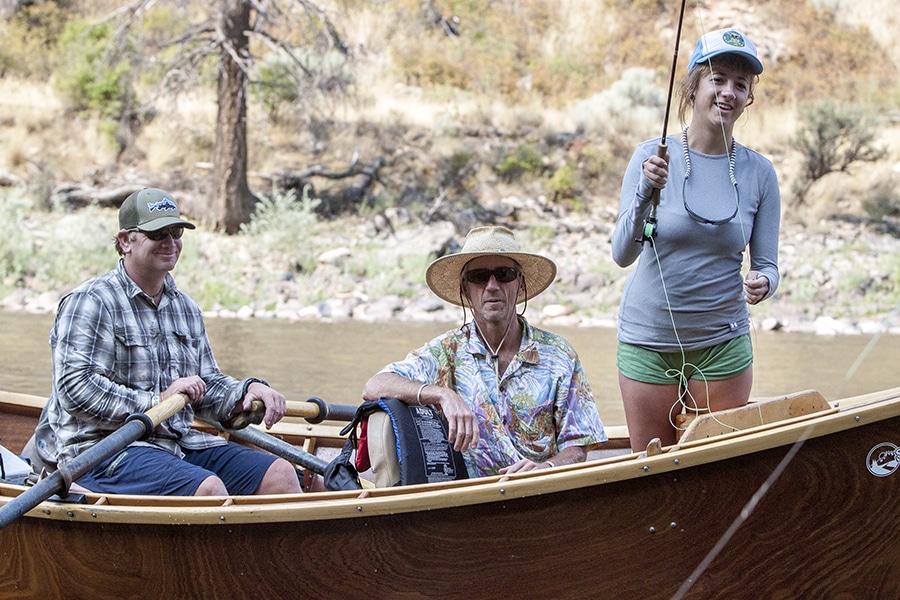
pixel 150 209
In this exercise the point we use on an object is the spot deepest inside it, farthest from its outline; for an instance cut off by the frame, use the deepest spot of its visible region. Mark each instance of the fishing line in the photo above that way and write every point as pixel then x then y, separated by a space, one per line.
pixel 683 390
pixel 745 513
pixel 866 351
pixel 649 232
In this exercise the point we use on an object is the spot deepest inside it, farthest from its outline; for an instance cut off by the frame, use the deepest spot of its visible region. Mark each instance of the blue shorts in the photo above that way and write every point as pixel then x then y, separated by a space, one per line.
pixel 146 470
pixel 722 361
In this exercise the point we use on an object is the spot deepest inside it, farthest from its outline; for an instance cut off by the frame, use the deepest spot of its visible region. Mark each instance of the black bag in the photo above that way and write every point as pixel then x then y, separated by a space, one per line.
pixel 341 473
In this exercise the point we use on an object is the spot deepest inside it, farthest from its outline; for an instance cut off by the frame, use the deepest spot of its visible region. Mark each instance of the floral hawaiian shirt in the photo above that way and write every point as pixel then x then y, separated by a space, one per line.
pixel 539 406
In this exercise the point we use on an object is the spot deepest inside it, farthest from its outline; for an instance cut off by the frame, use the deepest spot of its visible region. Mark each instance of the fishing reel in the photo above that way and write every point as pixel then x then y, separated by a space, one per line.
pixel 648 230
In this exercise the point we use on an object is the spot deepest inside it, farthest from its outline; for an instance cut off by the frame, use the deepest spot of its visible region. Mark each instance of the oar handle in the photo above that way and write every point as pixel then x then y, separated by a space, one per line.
pixel 314 410
pixel 166 408
pixel 136 427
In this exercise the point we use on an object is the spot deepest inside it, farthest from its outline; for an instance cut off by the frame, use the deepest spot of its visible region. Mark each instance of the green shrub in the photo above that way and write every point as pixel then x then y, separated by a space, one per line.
pixel 831 139
pixel 458 169
pixel 86 75
pixel 281 224
pixel 524 159
pixel 31 239
pixel 286 79
pixel 15 238
pixel 628 105
pixel 882 201
pixel 29 38
pixel 565 183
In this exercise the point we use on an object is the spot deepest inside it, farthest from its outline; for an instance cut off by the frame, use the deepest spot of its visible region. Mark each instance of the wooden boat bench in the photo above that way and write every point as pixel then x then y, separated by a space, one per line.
pixel 754 414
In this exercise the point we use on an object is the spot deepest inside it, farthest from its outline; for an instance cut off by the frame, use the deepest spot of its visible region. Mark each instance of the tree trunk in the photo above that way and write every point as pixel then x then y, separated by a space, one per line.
pixel 231 203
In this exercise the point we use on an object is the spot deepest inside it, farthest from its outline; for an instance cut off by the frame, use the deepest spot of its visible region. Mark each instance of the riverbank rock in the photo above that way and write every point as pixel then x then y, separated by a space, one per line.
pixel 827 278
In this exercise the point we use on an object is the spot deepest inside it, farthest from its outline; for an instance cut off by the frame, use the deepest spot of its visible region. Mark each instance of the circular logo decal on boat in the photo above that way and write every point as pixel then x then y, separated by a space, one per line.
pixel 882 459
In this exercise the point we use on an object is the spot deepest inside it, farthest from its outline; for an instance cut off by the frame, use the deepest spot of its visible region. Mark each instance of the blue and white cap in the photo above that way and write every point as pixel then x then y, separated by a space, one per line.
pixel 725 41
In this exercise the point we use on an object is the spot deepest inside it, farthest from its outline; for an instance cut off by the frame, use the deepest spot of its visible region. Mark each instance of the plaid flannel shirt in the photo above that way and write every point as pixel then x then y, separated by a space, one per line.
pixel 114 351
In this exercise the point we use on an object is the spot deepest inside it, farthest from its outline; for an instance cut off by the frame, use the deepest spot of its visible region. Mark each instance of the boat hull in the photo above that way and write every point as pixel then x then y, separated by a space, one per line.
pixel 827 527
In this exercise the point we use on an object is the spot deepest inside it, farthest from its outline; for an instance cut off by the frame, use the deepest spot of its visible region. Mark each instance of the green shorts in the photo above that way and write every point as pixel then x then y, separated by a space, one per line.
pixel 722 361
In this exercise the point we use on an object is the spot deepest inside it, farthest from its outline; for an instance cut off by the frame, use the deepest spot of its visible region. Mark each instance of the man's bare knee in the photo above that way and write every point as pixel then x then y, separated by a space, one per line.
pixel 280 478
pixel 211 486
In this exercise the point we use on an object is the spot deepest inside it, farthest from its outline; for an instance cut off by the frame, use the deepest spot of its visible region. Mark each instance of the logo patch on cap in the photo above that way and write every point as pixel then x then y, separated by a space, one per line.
pixel 733 38
pixel 164 204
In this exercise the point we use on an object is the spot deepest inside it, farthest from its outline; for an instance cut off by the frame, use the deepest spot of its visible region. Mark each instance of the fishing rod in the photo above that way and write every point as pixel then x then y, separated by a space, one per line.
pixel 648 231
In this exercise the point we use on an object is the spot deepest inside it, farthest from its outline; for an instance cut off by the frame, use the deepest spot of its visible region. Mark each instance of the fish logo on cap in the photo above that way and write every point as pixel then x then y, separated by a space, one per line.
pixel 164 204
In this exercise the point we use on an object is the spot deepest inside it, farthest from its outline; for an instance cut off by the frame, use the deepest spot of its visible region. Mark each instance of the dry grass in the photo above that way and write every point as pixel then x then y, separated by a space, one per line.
pixel 182 135
pixel 40 136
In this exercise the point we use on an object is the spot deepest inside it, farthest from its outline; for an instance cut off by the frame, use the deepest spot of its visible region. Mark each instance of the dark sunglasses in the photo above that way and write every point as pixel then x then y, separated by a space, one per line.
pixel 161 234
pixel 482 276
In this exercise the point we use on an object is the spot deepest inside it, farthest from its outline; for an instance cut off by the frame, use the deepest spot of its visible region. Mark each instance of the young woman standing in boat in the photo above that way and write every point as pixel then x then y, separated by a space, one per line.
pixel 684 326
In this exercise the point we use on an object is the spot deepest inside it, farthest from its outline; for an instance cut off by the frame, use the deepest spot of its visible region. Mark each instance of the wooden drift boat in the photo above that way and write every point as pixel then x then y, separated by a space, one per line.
pixel 800 502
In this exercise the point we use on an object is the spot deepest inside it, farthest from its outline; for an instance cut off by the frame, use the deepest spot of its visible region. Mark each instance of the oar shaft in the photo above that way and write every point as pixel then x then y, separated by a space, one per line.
pixel 278 447
pixel 314 410
pixel 31 497
pixel 290 453
pixel 71 470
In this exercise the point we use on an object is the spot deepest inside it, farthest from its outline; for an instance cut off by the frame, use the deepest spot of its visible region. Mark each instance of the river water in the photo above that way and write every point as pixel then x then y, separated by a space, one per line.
pixel 333 360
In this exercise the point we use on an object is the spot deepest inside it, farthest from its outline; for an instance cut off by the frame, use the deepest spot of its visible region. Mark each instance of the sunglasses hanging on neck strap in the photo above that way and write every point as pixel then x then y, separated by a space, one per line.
pixel 687 173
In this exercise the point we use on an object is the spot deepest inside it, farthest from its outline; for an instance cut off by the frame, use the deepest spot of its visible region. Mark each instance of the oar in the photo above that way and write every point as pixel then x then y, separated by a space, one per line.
pixel 289 452
pixel 137 426
pixel 314 410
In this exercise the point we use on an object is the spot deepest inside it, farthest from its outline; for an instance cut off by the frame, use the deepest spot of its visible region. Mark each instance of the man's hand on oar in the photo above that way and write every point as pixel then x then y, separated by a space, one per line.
pixel 314 410
pixel 261 401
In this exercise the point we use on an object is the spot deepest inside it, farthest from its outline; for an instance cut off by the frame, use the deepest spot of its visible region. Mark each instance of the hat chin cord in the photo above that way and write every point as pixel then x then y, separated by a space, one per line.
pixel 495 354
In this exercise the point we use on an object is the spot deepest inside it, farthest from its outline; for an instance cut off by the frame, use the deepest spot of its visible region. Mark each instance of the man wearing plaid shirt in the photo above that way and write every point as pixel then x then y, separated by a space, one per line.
pixel 126 340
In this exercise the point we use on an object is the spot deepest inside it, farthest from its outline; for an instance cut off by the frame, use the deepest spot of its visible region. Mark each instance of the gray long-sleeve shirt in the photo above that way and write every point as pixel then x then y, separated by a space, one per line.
pixel 696 281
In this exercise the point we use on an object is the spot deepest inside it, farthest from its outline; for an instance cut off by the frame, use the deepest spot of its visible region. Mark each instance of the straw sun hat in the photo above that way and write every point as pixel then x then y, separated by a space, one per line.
pixel 443 275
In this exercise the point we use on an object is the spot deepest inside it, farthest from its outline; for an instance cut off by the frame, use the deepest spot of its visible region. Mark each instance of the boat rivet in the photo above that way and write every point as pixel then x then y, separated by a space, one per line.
pixel 677 461
pixel 673 525
pixel 502 491
pixel 46 512
pixel 653 530
pixel 857 417
pixel 359 509
pixel 94 515
pixel 222 518
pixel 646 468
pixel 70 513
